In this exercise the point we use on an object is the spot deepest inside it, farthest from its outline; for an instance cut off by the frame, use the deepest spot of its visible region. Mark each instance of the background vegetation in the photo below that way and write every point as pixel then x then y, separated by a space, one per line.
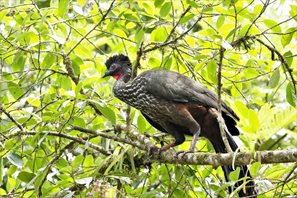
pixel 52 57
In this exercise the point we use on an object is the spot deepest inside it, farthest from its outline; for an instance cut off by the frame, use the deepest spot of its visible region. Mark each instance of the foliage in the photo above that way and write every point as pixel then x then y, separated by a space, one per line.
pixel 52 59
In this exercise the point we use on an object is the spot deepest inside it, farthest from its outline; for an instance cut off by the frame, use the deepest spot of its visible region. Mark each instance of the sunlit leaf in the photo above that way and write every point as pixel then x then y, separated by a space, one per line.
pixel 212 71
pixel 220 21
pixel 291 94
pixel 26 176
pixel 274 80
pixel 159 35
pixel 272 25
pixel 158 3
pixel 141 123
pixel 234 175
pixel 287 37
pixel 15 159
pixel 15 90
pixel 165 9
pixel 63 7
pixel 19 62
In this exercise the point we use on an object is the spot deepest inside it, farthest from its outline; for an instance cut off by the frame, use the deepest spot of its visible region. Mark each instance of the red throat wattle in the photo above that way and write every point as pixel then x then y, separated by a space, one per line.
pixel 118 75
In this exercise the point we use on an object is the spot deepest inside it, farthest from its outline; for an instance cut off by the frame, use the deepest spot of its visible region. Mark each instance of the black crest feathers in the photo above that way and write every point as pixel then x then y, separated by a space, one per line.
pixel 121 59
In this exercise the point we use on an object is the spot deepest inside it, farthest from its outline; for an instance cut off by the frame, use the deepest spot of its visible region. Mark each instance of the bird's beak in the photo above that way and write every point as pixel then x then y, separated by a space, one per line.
pixel 107 73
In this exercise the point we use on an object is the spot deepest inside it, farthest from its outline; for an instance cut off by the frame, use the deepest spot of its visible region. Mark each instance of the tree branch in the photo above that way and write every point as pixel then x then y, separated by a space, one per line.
pixel 242 158
pixel 283 61
pixel 220 119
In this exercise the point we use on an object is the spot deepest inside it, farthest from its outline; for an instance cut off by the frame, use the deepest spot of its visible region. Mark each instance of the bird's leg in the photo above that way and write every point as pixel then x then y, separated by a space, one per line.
pixel 178 136
pixel 193 143
pixel 159 150
pixel 165 148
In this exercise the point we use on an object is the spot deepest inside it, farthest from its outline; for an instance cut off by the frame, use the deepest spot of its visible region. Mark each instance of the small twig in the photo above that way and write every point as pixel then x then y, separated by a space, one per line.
pixel 283 61
pixel 220 119
pixel 254 21
pixel 160 45
pixel 112 137
pixel 175 26
pixel 89 32
pixel 68 66
pixel 11 118
pixel 287 178
pixel 82 141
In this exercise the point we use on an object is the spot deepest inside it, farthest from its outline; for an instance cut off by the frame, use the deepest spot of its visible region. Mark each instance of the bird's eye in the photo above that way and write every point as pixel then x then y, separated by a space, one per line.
pixel 113 67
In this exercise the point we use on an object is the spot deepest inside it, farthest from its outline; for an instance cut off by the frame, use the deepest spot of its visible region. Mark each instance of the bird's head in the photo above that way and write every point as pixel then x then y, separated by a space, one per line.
pixel 118 66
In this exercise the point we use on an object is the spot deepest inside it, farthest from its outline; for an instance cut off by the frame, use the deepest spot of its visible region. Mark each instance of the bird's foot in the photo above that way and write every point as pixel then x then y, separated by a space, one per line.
pixel 154 149
pixel 182 153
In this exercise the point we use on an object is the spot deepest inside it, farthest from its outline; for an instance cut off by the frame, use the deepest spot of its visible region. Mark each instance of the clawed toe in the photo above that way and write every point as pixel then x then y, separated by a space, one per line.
pixel 182 153
pixel 153 150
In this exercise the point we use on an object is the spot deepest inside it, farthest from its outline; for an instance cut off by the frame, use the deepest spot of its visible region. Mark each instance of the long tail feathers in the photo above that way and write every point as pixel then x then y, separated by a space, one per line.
pixel 247 185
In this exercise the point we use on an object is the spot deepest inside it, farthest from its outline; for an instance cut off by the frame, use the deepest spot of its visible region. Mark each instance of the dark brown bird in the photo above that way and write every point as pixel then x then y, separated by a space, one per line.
pixel 178 105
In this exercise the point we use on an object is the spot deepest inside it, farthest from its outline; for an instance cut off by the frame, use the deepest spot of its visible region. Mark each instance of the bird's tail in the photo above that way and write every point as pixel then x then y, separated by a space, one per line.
pixel 246 185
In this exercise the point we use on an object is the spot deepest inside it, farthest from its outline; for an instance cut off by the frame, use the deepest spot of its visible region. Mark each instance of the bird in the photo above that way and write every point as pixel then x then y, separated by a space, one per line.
pixel 174 103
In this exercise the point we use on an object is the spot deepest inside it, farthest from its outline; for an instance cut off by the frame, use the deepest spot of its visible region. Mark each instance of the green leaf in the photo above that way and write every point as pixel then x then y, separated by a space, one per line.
pixel 141 123
pixel 291 94
pixel 289 57
pixel 48 60
pixel 257 9
pixel 61 162
pixel 254 169
pixel 15 90
pixel 254 123
pixel 89 161
pixel 77 161
pixel 220 21
pixel 26 176
pixel 19 62
pixel 186 18
pixel 158 3
pixel 168 63
pixel 139 36
pixel 274 80
pixel 272 24
pixel 212 71
pixel 154 62
pixel 287 37
pixel 63 7
pixel 194 4
pixel 107 113
pixel 43 3
pixel 165 9
pixel 159 35
pixel 3 192
pixel 79 122
pixel 11 184
pixel 293 11
pixel 15 159
pixel 242 108
pixel 234 175
pixel 232 32
pixel 1 169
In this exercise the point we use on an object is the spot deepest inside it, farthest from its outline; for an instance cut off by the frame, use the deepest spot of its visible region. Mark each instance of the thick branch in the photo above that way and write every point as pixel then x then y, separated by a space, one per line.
pixel 242 158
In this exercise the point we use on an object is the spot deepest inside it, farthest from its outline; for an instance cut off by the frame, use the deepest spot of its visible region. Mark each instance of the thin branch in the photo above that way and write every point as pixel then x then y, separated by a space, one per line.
pixel 283 61
pixel 89 32
pixel 62 135
pixel 160 45
pixel 2 109
pixel 220 119
pixel 112 137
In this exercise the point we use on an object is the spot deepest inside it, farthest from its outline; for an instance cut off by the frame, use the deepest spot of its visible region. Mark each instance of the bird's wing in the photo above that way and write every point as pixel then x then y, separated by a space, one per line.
pixel 176 87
